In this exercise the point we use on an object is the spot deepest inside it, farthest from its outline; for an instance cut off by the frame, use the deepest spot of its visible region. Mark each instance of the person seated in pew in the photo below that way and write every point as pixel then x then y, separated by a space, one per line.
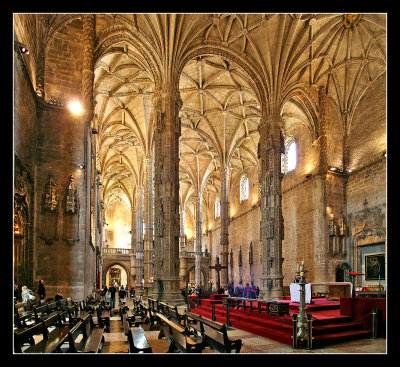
pixel 58 296
pixel 221 290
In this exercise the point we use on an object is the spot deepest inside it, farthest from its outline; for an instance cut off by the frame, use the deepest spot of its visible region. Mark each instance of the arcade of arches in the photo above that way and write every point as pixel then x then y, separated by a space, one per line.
pixel 257 139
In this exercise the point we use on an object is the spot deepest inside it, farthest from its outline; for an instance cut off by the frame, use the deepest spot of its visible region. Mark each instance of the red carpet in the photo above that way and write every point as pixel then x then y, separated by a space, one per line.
pixel 329 324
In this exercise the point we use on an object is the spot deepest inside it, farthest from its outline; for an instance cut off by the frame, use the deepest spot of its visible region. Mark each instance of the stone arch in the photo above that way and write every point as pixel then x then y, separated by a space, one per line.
pixel 109 37
pixel 110 265
pixel 202 48
pixel 204 274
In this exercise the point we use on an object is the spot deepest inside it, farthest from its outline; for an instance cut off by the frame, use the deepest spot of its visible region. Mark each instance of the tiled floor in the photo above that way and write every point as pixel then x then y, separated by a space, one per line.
pixel 116 342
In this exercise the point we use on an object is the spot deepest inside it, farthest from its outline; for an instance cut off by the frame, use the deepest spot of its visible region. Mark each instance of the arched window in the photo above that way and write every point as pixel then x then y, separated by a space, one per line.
pixel 244 188
pixel 217 208
pixel 289 159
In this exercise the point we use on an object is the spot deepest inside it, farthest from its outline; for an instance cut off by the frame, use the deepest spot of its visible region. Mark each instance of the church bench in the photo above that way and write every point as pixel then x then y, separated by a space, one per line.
pixel 21 318
pixel 152 317
pixel 92 336
pixel 171 312
pixel 44 311
pixel 103 317
pixel 178 336
pixel 52 340
pixel 25 336
pixel 136 337
pixel 215 335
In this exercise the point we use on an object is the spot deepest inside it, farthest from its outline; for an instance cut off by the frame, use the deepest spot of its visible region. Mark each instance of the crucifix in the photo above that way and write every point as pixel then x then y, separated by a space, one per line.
pixel 218 267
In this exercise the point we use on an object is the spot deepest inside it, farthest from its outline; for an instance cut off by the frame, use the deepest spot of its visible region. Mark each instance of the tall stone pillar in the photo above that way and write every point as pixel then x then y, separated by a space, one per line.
pixel 87 95
pixel 182 238
pixel 197 267
pixel 224 241
pixel 132 280
pixel 166 103
pixel 148 220
pixel 139 241
pixel 271 226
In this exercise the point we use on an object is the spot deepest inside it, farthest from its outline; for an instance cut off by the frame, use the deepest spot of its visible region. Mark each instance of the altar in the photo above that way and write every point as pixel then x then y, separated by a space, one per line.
pixel 335 290
pixel 295 292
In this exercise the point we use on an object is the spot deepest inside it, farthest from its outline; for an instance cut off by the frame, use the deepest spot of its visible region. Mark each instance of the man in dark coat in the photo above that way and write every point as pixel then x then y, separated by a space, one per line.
pixel 112 291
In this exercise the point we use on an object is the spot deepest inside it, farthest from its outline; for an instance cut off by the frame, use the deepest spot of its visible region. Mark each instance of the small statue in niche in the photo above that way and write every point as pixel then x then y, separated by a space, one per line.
pixel 50 198
pixel 342 226
pixel 49 226
pixel 332 226
pixel 72 201
pixel 71 217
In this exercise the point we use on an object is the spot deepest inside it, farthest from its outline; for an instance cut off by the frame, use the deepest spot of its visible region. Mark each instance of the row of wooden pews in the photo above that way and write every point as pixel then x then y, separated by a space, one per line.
pixel 54 327
pixel 189 333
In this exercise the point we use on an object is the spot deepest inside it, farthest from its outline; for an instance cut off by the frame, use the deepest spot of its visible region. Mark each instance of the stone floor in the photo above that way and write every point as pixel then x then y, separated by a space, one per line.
pixel 115 342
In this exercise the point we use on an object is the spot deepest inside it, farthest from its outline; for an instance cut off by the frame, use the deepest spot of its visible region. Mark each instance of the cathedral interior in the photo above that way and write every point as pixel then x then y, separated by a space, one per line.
pixel 149 147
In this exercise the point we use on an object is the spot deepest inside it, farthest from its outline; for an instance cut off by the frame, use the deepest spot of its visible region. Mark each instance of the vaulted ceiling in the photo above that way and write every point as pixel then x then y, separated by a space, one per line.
pixel 291 55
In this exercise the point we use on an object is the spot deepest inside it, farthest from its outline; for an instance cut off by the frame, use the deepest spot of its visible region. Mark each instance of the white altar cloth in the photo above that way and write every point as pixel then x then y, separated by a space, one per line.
pixel 295 292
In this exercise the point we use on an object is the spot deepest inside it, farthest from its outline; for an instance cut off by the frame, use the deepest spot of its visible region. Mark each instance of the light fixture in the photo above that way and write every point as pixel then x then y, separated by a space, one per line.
pixel 350 170
pixel 332 169
pixel 81 166
pixel 384 153
pixel 24 50
pixel 75 107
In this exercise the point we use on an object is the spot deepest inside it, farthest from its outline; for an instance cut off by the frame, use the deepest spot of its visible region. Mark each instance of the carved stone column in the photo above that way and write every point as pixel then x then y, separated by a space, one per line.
pixel 148 219
pixel 199 224
pixel 139 241
pixel 271 226
pixel 224 241
pixel 167 102
pixel 182 238
pixel 322 138
pixel 88 65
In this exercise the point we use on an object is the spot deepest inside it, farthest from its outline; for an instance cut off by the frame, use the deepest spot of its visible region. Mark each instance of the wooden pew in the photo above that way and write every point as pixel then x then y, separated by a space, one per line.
pixel 215 335
pixel 103 317
pixel 177 337
pixel 171 312
pixel 92 336
pixel 51 342
pixel 136 337
pixel 21 318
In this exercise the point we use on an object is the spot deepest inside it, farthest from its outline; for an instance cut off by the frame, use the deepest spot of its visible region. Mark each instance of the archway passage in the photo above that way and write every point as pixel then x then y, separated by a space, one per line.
pixel 190 276
pixel 116 274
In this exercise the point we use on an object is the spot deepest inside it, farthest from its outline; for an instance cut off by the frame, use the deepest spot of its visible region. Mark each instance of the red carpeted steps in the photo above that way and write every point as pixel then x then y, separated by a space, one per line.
pixel 329 326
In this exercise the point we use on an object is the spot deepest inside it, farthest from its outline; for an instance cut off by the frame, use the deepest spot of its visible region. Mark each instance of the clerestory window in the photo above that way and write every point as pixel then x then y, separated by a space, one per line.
pixel 244 188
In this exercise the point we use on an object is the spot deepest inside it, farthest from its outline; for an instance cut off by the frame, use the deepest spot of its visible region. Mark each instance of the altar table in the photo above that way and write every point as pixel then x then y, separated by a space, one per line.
pixel 336 290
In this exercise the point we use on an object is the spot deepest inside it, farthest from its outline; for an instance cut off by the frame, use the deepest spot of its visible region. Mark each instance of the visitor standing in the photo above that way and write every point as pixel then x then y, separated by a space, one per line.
pixel 41 291
pixel 28 298
pixel 121 295
pixel 112 291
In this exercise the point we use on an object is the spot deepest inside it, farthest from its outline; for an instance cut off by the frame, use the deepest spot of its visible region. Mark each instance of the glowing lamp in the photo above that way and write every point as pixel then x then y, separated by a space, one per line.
pixel 76 108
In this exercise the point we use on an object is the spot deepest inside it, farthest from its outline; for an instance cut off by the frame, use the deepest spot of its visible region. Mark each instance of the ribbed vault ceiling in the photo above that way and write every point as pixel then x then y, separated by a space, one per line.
pixel 344 53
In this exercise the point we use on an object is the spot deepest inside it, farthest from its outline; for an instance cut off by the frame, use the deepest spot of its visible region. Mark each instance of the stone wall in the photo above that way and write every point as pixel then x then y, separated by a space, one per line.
pixel 64 58
pixel 60 149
